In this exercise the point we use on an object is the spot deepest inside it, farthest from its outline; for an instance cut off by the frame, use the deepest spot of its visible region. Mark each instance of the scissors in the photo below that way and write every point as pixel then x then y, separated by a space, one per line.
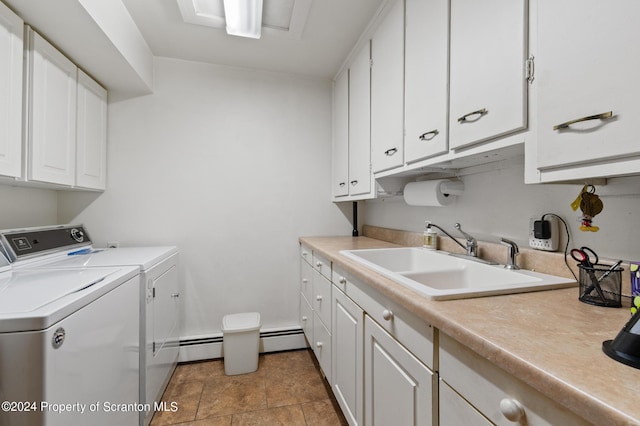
pixel 584 256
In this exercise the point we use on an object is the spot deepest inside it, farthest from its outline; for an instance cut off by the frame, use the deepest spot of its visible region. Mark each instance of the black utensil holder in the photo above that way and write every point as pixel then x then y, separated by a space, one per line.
pixel 609 282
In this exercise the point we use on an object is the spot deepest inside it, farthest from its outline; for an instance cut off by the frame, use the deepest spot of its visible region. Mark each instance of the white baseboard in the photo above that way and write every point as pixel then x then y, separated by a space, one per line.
pixel 196 348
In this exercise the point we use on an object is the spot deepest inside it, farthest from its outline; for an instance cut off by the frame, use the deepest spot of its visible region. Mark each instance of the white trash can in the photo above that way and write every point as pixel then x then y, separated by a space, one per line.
pixel 241 342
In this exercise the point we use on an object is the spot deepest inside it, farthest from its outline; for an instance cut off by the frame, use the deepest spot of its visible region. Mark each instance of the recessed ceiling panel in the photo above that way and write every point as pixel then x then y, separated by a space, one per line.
pixel 279 17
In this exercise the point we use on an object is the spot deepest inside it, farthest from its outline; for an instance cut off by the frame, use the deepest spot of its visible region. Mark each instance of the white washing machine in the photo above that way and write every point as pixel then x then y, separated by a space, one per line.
pixel 159 297
pixel 63 352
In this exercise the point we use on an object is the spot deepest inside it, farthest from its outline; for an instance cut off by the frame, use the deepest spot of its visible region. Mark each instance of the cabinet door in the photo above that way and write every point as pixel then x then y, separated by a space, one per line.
pixel 426 79
pixel 91 157
pixel 387 91
pixel 455 411
pixel 340 149
pixel 360 123
pixel 584 70
pixel 399 389
pixel 321 299
pixel 306 280
pixel 347 345
pixel 488 64
pixel 11 48
pixel 52 120
pixel 322 346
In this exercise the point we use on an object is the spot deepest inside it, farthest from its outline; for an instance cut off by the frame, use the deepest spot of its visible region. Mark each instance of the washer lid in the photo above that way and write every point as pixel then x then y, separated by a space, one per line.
pixel 144 257
pixel 26 291
pixel 36 299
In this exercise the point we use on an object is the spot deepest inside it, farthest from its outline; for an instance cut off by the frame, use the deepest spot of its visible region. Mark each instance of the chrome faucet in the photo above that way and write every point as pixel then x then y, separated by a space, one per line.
pixel 512 252
pixel 472 243
pixel 471 248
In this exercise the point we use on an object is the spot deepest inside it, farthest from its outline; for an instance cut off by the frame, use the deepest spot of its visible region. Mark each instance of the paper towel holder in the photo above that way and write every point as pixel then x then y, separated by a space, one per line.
pixel 452 187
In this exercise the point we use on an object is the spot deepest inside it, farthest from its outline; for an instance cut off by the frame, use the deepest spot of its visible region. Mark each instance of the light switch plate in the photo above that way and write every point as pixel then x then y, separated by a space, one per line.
pixel 550 244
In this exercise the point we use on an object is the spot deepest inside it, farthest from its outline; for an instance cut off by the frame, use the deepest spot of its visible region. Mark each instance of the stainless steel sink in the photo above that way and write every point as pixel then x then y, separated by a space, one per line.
pixel 441 276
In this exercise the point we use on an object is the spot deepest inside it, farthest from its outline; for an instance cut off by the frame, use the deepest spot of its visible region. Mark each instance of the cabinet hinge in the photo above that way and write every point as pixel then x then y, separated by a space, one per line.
pixel 370 63
pixel 531 68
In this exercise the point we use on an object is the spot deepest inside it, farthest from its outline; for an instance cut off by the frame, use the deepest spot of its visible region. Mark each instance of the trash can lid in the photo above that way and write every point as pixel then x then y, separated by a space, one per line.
pixel 241 322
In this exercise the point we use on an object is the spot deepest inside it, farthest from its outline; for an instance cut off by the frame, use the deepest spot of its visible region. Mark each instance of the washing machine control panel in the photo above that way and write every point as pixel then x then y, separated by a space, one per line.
pixel 19 244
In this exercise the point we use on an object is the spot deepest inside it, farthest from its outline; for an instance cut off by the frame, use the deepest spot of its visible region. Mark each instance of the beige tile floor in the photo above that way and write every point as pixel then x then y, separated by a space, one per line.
pixel 288 389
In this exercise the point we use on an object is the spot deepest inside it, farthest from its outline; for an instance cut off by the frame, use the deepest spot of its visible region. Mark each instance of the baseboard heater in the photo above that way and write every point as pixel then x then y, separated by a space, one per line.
pixel 210 347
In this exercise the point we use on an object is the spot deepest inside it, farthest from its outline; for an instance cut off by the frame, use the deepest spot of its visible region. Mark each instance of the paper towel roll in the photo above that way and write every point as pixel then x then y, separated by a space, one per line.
pixel 439 192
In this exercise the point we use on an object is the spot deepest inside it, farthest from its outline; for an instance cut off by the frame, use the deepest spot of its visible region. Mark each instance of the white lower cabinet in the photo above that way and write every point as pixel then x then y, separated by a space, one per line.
pixel 322 346
pixel 315 306
pixel 347 346
pixel 399 389
pixel 306 318
pixel 382 358
pixel 306 290
pixel 477 392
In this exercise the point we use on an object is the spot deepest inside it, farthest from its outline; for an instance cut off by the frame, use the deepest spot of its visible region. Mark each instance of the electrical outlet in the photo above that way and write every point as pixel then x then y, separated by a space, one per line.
pixel 113 244
pixel 548 244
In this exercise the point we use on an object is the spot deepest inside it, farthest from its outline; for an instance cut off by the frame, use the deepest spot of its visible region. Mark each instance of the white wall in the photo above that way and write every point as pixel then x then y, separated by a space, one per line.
pixel 230 165
pixel 498 204
pixel 25 207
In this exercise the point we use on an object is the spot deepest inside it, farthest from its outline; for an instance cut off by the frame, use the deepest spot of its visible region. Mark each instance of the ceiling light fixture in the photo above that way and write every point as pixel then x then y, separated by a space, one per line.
pixel 280 18
pixel 243 17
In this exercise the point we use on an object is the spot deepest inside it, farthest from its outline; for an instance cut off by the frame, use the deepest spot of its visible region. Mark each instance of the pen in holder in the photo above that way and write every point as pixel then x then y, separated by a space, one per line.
pixel 601 285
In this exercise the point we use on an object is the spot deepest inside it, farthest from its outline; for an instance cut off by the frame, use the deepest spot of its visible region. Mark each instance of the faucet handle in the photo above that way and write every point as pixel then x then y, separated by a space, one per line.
pixel 511 244
pixel 512 252
pixel 472 243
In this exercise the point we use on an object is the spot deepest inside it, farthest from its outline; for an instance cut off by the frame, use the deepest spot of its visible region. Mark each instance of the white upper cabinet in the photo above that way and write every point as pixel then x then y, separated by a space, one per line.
pixel 91 154
pixel 487 70
pixel 11 50
pixel 387 90
pixel 51 129
pixel 360 179
pixel 426 79
pixel 340 148
pixel 66 120
pixel 587 86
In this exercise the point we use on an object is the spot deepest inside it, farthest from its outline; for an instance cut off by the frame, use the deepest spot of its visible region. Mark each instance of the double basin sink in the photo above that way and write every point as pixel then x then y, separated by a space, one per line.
pixel 441 276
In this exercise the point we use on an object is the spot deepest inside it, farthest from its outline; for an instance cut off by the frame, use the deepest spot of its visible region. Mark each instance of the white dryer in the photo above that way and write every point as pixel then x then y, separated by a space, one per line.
pixel 63 352
pixel 159 304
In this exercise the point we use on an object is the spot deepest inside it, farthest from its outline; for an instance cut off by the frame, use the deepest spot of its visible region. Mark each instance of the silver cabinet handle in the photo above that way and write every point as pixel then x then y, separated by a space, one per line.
pixel 319 298
pixel 602 116
pixel 342 280
pixel 429 135
pixel 479 113
pixel 354 182
pixel 175 295
pixel 341 184
pixel 387 315
pixel 391 151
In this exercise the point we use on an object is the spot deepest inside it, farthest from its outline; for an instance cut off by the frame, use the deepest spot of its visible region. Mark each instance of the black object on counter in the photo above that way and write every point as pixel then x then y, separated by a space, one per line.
pixel 625 348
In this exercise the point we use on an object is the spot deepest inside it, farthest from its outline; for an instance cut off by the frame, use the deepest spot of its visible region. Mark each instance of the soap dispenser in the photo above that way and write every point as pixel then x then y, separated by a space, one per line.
pixel 430 237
